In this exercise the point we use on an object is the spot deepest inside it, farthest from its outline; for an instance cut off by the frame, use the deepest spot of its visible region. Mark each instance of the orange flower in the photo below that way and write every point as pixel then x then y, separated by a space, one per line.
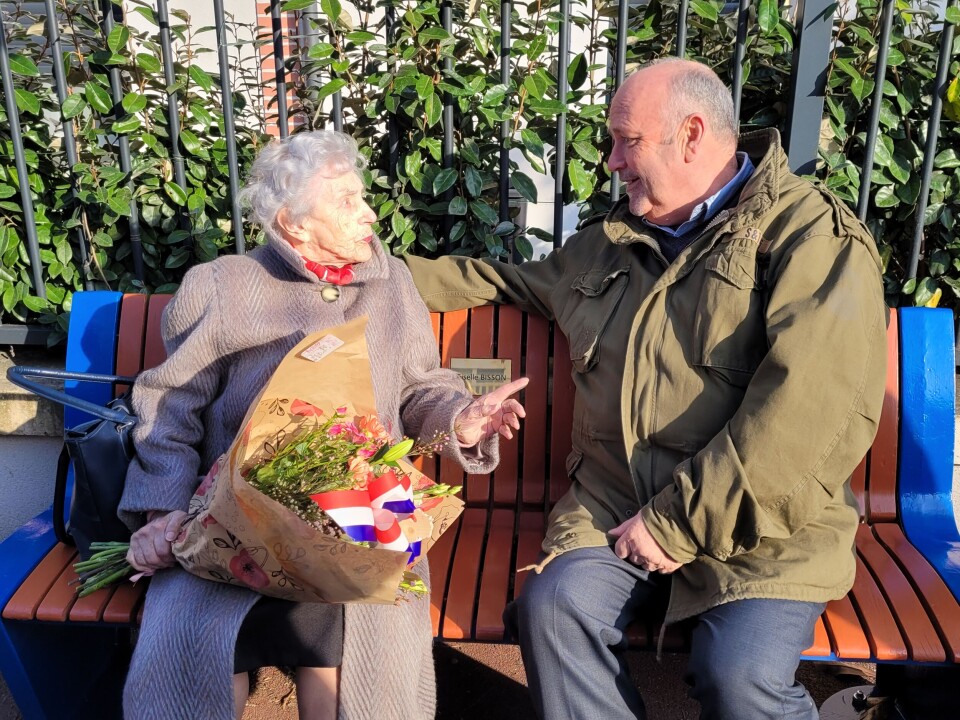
pixel 360 471
pixel 371 426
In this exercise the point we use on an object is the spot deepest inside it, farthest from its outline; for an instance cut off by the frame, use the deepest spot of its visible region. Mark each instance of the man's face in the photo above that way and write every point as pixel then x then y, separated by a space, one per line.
pixel 645 152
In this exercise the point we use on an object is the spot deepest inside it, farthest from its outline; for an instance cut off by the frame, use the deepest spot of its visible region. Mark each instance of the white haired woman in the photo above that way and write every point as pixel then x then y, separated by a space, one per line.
pixel 230 324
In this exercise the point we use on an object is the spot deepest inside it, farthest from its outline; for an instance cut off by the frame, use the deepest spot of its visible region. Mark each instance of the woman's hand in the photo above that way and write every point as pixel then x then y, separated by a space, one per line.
pixel 495 412
pixel 151 547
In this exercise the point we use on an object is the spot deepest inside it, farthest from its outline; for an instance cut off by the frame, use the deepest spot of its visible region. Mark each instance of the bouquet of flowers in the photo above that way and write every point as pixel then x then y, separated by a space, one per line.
pixel 313 501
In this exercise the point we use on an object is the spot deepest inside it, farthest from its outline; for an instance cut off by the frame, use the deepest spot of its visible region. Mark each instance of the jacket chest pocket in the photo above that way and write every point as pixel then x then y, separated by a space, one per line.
pixel 594 299
pixel 729 329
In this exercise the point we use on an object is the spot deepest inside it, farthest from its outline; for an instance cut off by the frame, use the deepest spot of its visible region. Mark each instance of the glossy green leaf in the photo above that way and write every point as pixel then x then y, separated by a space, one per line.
pixel 73 106
pixel 134 102
pixel 148 62
pixel 332 9
pixel 580 180
pixel 532 142
pixel 953 15
pixel 768 15
pixel 704 9
pixel 434 33
pixel 118 37
pixel 27 101
pixel 883 151
pixel 524 185
pixel 175 193
pixel 120 205
pixel 200 77
pixel 293 5
pixel 126 125
pixel 885 197
pixel 472 181
pixel 329 88
pixel 458 206
pixel 947 159
pixel 484 212
pixel 925 291
pixel 433 108
pixel 98 98
pixel 424 86
pixel 444 181
pixel 191 142
pixel 939 262
pixel 22 65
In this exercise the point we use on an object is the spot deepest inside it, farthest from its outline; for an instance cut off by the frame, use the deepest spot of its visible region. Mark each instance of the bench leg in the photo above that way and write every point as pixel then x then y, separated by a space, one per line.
pixel 56 670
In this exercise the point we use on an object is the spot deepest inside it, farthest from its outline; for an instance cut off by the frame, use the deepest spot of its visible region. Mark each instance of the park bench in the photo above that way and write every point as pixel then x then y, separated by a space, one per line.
pixel 63 657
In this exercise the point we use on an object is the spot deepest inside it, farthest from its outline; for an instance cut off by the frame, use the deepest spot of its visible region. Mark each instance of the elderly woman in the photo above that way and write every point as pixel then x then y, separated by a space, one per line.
pixel 230 324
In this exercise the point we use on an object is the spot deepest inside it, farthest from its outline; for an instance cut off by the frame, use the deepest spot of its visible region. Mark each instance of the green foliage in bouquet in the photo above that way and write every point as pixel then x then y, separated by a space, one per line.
pixel 91 205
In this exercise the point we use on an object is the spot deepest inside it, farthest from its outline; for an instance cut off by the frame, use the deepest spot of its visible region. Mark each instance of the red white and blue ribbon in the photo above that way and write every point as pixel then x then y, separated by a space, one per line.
pixel 373 515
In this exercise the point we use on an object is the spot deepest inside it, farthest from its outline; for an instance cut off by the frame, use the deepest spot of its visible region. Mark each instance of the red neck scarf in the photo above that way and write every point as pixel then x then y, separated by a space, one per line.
pixel 335 275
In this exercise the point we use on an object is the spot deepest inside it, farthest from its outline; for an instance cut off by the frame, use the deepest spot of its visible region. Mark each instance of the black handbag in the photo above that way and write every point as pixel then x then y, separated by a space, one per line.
pixel 100 451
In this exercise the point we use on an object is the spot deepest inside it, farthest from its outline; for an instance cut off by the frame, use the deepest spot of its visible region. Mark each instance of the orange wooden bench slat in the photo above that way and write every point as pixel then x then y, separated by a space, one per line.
pixel 91 607
pixel 884 636
pixel 153 350
pixel 530 528
pixel 464 575
pixel 130 338
pixel 440 556
pixel 124 603
pixel 25 601
pixel 534 427
pixel 454 345
pixel 56 604
pixel 918 632
pixel 942 607
pixel 882 494
pixel 562 415
pixel 480 345
pixel 847 637
pixel 821 640
pixel 495 578
pixel 858 484
pixel 509 341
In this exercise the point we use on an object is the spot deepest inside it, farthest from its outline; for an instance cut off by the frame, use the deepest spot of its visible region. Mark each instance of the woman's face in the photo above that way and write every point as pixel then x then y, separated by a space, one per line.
pixel 337 230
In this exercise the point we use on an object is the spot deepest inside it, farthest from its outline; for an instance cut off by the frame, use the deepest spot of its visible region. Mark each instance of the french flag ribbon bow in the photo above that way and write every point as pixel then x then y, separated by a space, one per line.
pixel 372 515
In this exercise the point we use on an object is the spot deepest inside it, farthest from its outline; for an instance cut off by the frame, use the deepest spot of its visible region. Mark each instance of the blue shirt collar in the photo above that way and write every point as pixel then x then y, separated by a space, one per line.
pixel 703 212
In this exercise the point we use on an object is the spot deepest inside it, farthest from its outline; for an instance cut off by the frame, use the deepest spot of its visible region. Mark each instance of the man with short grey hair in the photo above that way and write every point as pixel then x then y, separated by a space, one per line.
pixel 727 333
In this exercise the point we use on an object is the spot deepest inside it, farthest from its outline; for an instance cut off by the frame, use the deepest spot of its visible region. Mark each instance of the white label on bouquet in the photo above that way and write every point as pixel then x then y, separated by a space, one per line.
pixel 322 347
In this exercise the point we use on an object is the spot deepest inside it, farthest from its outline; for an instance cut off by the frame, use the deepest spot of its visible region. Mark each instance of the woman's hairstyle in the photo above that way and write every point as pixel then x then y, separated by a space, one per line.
pixel 697 88
pixel 283 174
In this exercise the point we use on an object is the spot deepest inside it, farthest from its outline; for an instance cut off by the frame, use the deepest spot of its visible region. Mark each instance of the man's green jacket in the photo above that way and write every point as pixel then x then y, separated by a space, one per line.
pixel 727 396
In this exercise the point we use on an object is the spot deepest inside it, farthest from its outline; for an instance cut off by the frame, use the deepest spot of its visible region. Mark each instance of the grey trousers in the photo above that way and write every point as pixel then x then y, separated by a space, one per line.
pixel 571 621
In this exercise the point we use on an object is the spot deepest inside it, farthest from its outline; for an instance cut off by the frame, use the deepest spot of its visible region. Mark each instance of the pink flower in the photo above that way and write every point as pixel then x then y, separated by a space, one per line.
pixel 245 569
pixel 342 410
pixel 302 407
pixel 371 426
pixel 360 471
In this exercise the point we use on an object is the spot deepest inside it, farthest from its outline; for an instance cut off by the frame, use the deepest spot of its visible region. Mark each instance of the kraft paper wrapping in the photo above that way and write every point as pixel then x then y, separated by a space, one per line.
pixel 239 536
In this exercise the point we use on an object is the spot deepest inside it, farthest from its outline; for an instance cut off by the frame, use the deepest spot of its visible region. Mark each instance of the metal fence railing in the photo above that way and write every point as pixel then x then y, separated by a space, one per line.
pixel 812 47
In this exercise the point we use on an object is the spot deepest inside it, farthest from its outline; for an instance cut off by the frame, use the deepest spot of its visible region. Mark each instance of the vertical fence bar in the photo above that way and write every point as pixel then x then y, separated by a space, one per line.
pixel 279 69
pixel 563 61
pixel 123 144
pixel 393 141
pixel 682 12
pixel 623 8
pixel 69 142
pixel 236 218
pixel 446 19
pixel 743 18
pixel 23 178
pixel 173 98
pixel 337 98
pixel 933 134
pixel 506 9
pixel 808 82
pixel 883 50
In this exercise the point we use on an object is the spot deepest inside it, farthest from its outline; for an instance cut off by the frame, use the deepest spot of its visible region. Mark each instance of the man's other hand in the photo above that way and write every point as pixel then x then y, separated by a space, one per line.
pixel 636 545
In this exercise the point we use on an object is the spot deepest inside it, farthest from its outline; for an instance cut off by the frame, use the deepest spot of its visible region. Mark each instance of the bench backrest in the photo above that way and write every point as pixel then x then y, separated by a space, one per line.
pixel 122 333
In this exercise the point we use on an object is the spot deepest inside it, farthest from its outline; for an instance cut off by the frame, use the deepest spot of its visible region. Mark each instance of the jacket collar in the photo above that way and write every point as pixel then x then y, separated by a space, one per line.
pixel 757 197
pixel 283 253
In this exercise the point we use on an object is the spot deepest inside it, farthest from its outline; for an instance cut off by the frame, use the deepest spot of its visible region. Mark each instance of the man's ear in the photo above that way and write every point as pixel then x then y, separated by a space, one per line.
pixel 693 132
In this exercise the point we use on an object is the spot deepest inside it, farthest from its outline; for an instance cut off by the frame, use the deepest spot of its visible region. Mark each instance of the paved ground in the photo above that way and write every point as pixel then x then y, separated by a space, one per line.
pixel 484 681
